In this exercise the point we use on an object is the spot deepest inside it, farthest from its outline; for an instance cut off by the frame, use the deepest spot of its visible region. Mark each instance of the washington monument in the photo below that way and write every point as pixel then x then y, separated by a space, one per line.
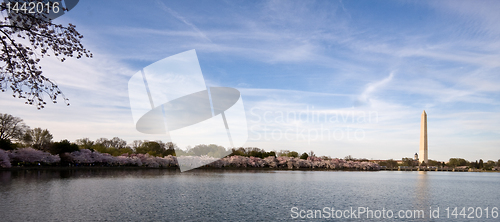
pixel 423 139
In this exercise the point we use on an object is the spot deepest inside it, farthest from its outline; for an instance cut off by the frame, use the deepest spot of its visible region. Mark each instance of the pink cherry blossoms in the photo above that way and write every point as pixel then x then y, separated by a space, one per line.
pixel 86 157
pixel 283 162
pixel 30 155
pixel 4 159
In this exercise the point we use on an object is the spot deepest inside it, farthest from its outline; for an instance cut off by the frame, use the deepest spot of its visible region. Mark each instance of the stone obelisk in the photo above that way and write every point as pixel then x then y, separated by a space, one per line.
pixel 423 139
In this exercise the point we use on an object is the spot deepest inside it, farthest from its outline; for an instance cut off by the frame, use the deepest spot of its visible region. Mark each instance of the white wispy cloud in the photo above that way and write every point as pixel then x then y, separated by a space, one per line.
pixel 182 19
pixel 372 87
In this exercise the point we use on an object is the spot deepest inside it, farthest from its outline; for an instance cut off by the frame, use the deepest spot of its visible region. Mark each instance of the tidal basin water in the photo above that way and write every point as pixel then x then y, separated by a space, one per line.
pixel 261 195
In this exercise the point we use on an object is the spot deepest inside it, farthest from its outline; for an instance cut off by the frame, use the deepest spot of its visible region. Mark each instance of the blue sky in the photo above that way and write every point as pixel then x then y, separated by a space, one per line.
pixel 390 59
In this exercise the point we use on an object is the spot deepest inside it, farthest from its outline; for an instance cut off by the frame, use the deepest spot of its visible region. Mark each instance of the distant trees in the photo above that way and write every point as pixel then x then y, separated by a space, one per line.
pixel 64 146
pixel 434 163
pixel 211 150
pixel 288 153
pixel 349 158
pixel 322 157
pixel 311 153
pixel 84 143
pixel 11 127
pixel 115 143
pixel 252 151
pixel 270 153
pixel 256 152
pixel 454 162
pixel 304 156
pixel 136 144
pixel 490 164
pixel 155 148
pixel 6 144
pixel 389 163
pixel 474 164
pixel 260 153
pixel 482 165
pixel 115 146
pixel 38 139
pixel 409 162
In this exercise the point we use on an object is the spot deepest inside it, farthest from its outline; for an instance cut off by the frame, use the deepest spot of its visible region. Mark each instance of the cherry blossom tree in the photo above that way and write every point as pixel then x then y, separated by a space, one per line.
pixel 89 157
pixel 285 162
pixel 4 159
pixel 156 162
pixel 24 39
pixel 30 155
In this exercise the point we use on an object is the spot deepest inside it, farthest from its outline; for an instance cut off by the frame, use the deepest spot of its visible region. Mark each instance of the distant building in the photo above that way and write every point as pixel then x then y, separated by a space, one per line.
pixel 416 157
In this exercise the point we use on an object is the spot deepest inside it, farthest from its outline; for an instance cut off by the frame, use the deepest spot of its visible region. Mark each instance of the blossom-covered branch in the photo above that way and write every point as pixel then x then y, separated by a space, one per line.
pixel 24 39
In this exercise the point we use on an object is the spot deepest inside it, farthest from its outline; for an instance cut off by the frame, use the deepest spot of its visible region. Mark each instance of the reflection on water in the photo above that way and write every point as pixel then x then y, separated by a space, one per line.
pixel 422 195
pixel 214 195
pixel 48 174
pixel 422 191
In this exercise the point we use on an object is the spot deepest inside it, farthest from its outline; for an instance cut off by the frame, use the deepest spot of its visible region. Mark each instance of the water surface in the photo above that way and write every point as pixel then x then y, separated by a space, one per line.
pixel 261 195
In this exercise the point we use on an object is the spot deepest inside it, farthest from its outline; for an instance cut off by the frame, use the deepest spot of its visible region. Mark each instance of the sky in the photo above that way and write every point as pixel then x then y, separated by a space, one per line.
pixel 334 77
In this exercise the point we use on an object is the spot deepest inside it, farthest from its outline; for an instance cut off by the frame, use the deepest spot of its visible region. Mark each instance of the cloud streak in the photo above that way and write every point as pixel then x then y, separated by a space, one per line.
pixel 372 87
pixel 182 19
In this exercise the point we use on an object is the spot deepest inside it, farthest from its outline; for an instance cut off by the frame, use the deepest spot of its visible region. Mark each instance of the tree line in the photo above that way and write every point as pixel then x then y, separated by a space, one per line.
pixel 15 134
pixel 452 163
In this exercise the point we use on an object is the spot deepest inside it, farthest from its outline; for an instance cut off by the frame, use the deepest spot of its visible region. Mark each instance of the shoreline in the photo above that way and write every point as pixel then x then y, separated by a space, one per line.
pixel 176 169
pixel 21 168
